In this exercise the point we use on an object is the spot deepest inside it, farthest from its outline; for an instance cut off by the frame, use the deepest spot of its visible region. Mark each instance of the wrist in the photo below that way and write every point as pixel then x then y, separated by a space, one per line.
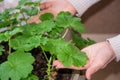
pixel 110 49
pixel 115 44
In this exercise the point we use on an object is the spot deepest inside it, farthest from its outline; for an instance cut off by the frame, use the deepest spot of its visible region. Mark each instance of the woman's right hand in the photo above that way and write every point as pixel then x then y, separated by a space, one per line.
pixel 99 54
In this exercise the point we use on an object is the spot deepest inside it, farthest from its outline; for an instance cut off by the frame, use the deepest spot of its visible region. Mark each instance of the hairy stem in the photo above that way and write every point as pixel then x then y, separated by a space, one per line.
pixel 66 31
pixel 49 68
pixel 45 55
pixel 9 47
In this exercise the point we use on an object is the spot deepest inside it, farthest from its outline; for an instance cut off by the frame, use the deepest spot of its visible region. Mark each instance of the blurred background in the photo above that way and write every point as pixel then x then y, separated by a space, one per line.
pixel 102 21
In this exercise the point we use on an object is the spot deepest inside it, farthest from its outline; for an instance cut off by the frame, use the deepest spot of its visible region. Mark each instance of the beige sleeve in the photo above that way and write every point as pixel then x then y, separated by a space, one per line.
pixel 115 43
pixel 82 5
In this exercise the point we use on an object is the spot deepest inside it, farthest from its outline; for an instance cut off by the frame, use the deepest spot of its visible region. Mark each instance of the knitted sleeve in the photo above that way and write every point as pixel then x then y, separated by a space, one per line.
pixel 82 5
pixel 115 43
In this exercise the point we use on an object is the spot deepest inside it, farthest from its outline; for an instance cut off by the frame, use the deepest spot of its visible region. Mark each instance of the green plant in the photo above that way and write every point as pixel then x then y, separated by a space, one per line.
pixel 22 37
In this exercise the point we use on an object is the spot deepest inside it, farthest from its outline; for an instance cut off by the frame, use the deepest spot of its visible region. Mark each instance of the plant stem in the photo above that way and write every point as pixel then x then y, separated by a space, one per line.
pixel 9 47
pixel 24 17
pixel 20 23
pixel 53 58
pixel 49 68
pixel 44 54
pixel 66 31
pixel 9 40
pixel 38 10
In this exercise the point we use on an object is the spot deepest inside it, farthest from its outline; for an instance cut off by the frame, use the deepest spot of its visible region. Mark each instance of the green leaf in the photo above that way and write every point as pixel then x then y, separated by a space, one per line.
pixel 56 32
pixel 1 0
pixel 15 15
pixel 53 45
pixel 38 29
pixel 66 52
pixel 1 49
pixel 76 24
pixel 31 35
pixel 65 19
pixel 18 66
pixel 77 61
pixel 5 17
pixel 4 23
pixel 46 26
pixel 3 37
pixel 35 3
pixel 29 29
pixel 47 16
pixel 43 40
pixel 22 2
pixel 8 34
pixel 90 41
pixel 80 41
pixel 29 3
pixel 8 23
pixel 0 16
pixel 65 58
pixel 31 77
pixel 25 43
pixel 5 14
pixel 62 20
pixel 15 31
pixel 31 11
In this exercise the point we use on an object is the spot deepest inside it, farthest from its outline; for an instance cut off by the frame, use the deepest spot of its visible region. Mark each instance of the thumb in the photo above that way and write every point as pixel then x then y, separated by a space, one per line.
pixel 45 5
pixel 91 70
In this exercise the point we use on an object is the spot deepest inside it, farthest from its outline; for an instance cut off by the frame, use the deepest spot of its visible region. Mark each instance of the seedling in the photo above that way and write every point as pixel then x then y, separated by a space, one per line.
pixel 22 37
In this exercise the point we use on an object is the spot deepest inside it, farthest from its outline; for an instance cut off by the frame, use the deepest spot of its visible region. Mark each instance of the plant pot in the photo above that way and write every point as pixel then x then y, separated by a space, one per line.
pixel 78 75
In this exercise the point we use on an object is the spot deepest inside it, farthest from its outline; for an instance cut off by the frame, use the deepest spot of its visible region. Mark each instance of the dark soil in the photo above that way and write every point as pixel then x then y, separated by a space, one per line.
pixel 4 56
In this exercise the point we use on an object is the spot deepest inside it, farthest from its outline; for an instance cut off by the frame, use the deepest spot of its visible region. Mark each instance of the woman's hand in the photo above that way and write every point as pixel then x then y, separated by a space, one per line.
pixel 99 55
pixel 54 7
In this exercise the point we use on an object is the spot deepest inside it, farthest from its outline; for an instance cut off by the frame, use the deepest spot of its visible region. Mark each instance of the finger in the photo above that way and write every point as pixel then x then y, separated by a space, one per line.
pixel 91 70
pixel 34 19
pixel 58 65
pixel 45 5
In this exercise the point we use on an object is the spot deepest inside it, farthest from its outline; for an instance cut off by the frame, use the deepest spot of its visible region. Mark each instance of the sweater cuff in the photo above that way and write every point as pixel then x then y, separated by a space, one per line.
pixel 115 43
pixel 82 5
